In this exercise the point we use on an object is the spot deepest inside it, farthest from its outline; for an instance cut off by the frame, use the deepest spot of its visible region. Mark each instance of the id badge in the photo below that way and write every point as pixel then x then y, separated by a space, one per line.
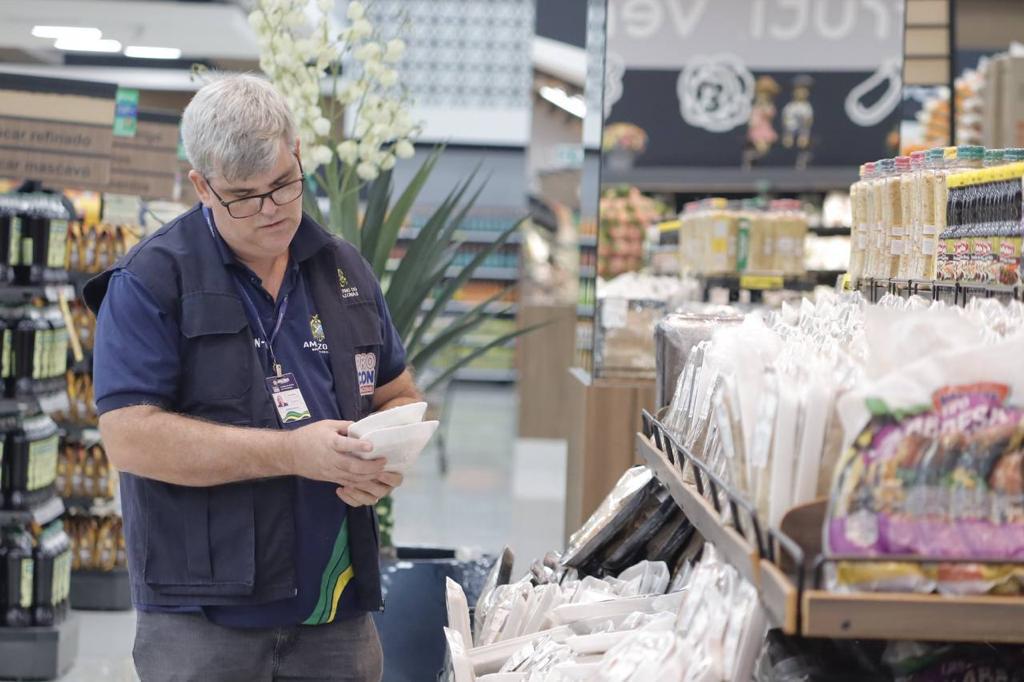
pixel 287 397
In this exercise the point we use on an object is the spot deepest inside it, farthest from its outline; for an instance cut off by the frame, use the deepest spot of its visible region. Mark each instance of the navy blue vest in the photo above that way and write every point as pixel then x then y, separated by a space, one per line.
pixel 233 544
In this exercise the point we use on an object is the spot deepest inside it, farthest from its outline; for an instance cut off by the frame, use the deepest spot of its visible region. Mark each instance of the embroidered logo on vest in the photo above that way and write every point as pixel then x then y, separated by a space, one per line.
pixel 346 290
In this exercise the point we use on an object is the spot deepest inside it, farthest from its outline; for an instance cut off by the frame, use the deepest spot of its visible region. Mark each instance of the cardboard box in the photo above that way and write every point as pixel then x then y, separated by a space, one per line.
pixel 991 125
pixel 1012 96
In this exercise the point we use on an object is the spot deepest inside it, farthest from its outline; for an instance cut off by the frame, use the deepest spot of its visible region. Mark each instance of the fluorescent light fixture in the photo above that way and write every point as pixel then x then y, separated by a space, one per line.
pixel 146 52
pixel 575 104
pixel 79 45
pixel 77 32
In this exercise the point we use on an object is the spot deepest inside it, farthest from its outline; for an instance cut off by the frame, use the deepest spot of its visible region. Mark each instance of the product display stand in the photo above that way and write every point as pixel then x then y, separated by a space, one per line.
pixel 101 590
pixel 790 582
pixel 955 293
pixel 544 357
pixel 602 415
pixel 39 653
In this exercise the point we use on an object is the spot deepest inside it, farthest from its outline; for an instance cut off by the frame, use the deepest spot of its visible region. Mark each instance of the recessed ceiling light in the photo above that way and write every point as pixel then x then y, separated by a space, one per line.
pixel 146 52
pixel 79 45
pixel 78 32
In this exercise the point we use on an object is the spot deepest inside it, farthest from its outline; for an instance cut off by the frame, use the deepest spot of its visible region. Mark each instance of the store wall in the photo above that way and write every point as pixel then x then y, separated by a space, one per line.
pixel 504 170
pixel 989 25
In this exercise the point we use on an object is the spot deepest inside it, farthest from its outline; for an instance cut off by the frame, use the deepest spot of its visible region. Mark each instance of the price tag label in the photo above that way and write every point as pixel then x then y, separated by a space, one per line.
pixel 759 282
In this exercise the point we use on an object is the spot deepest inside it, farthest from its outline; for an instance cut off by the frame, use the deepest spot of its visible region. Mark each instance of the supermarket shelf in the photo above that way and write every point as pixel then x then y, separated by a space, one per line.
pixel 21 295
pixel 41 514
pixel 459 307
pixel 491 375
pixel 957 293
pixel 826 278
pixel 39 653
pixel 466 236
pixel 101 590
pixel 732 180
pixel 480 274
pixel 502 274
pixel 830 231
pixel 735 548
pixel 795 604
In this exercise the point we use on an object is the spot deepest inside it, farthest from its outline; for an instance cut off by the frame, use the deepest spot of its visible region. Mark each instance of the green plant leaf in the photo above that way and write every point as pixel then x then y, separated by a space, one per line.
pixel 396 216
pixel 460 324
pixel 350 209
pixel 309 200
pixel 377 201
pixel 470 357
pixel 450 287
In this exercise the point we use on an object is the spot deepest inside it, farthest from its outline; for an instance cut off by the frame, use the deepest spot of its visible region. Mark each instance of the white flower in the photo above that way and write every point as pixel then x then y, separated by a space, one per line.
pixel 367 171
pixel 368 52
pixel 395 50
pixel 387 77
pixel 322 127
pixel 362 127
pixel 361 29
pixel 368 150
pixel 404 149
pixel 355 11
pixel 322 155
pixel 326 5
pixel 388 162
pixel 348 152
pixel 257 19
pixel 266 64
pixel 296 19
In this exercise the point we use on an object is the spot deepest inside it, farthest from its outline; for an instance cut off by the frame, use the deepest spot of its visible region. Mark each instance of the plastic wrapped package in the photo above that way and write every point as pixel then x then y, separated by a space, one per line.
pixel 642 657
pixel 634 539
pixel 610 516
pixel 461 667
pixel 539 656
pixel 500 574
pixel 458 610
pixel 934 470
pixel 676 335
pixel 652 577
pixel 624 341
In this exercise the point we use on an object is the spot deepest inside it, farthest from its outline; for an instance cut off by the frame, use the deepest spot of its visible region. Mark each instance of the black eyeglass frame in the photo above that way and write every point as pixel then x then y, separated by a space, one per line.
pixel 262 197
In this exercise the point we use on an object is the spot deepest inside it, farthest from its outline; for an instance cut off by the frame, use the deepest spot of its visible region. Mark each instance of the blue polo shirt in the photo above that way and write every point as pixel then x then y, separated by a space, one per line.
pixel 137 361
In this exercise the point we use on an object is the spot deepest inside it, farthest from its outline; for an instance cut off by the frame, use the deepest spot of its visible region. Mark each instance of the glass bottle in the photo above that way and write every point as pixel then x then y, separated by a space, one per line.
pixel 19 575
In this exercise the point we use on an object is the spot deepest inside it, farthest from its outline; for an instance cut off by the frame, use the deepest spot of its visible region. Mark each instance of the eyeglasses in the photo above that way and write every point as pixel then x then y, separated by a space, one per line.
pixel 249 206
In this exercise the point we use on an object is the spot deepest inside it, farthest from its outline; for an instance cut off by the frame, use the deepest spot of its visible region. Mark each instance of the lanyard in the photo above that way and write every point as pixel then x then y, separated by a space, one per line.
pixel 254 313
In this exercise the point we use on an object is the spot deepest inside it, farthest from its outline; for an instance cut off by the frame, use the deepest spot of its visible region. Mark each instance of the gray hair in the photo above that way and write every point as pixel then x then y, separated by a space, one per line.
pixel 234 126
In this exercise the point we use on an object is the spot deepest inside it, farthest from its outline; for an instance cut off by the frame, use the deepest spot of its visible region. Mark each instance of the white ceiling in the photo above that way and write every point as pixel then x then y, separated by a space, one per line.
pixel 199 30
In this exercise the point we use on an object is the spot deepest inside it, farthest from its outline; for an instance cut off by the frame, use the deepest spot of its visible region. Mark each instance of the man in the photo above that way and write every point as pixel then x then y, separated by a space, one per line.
pixel 226 377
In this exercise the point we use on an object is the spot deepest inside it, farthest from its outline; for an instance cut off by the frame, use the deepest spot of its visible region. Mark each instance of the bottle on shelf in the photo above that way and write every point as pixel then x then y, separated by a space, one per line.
pixel 33 453
pixel 18 576
pixel 52 557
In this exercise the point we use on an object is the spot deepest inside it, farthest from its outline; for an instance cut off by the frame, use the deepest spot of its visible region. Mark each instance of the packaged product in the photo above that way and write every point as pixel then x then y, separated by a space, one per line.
pixel 934 470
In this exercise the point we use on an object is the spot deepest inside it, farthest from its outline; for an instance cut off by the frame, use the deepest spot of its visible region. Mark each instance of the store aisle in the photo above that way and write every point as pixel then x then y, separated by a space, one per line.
pixel 498 490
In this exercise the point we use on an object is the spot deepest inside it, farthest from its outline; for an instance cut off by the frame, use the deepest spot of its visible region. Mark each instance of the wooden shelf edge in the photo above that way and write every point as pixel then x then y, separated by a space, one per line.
pixel 779 596
pixel 733 547
pixel 923 617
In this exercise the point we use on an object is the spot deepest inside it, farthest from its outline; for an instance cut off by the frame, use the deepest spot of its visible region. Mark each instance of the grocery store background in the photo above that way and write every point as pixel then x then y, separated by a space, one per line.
pixel 599 149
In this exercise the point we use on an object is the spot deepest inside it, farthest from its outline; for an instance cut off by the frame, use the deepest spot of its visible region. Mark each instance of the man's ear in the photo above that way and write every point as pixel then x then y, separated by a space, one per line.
pixel 202 189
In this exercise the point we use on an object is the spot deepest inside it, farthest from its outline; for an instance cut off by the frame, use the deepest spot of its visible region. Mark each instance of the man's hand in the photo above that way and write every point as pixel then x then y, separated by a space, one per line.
pixel 322 451
pixel 368 494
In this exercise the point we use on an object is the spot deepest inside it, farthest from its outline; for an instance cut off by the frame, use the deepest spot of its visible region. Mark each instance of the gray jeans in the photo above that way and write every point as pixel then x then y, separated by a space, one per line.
pixel 171 647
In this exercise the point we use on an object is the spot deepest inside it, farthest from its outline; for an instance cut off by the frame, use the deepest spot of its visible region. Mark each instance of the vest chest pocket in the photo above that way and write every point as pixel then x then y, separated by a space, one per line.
pixel 217 363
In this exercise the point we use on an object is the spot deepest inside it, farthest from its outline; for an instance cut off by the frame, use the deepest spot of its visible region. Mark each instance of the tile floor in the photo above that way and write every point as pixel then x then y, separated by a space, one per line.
pixel 498 490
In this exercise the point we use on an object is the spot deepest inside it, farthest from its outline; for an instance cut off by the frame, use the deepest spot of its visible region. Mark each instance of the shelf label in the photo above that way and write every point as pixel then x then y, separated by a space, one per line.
pixel 759 282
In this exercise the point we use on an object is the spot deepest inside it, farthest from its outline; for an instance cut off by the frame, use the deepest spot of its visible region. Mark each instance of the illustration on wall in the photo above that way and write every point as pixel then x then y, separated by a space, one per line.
pixel 761 135
pixel 798 119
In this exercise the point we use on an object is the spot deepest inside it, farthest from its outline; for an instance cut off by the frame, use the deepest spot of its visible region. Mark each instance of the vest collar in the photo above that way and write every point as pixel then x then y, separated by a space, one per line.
pixel 307 242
